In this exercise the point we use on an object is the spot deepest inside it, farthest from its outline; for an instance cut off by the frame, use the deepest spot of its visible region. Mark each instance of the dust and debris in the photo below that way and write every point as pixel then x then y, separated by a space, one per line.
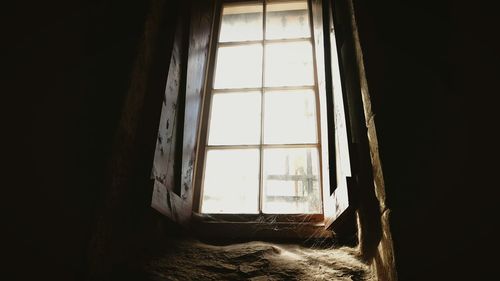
pixel 257 261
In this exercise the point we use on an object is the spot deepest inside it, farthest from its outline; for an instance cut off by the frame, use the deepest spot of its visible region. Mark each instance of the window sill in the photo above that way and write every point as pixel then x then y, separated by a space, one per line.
pixel 260 226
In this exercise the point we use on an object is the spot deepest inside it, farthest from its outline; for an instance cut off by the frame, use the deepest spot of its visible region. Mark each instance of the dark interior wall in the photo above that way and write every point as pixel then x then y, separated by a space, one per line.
pixel 427 66
pixel 70 77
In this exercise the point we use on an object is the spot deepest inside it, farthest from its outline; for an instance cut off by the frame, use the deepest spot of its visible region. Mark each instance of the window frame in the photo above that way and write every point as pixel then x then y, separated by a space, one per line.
pixel 203 130
pixel 175 197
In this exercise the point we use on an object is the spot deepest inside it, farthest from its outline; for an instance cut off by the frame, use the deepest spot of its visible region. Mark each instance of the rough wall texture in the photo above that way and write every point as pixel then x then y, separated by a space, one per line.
pixel 71 67
pixel 425 110
pixel 383 261
pixel 374 233
pixel 124 214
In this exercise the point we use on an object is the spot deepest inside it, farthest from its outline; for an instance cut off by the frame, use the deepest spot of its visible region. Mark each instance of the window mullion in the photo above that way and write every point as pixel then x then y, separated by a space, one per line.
pixel 262 106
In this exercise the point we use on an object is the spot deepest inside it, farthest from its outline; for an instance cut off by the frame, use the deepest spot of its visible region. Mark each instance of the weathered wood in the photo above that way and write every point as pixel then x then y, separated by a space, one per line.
pixel 337 198
pixel 165 167
pixel 343 194
pixel 179 207
pixel 256 218
pixel 201 26
pixel 374 234
pixel 324 89
pixel 164 158
pixel 260 230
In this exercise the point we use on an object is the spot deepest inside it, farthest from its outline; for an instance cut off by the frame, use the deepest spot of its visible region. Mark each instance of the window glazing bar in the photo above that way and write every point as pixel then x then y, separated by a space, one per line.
pixel 266 89
pixel 243 146
pixel 269 41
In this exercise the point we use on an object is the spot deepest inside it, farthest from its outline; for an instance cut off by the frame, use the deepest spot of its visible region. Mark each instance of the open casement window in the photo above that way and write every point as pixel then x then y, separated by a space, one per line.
pixel 264 130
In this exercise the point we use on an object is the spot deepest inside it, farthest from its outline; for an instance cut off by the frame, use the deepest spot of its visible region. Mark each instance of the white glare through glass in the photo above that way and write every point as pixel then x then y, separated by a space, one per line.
pixel 287 20
pixel 290 117
pixel 239 67
pixel 289 64
pixel 241 23
pixel 291 181
pixel 284 132
pixel 231 182
pixel 235 119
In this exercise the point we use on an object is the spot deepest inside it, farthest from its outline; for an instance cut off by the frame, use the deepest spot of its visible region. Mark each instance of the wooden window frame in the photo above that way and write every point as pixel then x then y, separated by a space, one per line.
pixel 317 218
pixel 182 203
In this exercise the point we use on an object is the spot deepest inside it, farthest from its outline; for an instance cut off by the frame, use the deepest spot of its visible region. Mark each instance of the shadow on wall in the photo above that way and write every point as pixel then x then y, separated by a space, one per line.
pixel 374 234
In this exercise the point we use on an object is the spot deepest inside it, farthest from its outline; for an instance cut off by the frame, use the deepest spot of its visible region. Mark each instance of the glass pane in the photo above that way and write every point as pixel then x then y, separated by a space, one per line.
pixel 241 23
pixel 291 181
pixel 287 20
pixel 289 64
pixel 290 117
pixel 239 67
pixel 231 181
pixel 235 118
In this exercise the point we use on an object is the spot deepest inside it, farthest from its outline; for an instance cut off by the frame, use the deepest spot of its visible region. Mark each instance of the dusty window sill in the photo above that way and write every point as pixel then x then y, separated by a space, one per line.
pixel 260 226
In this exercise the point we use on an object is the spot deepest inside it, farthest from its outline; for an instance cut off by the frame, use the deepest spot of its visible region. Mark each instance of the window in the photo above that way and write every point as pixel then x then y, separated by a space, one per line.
pixel 261 146
pixel 260 118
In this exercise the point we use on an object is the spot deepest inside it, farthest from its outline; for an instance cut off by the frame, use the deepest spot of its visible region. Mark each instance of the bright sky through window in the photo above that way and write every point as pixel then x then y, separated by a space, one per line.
pixel 262 150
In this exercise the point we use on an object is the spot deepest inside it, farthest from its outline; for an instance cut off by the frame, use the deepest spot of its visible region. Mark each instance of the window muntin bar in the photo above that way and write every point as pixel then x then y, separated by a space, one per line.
pixel 283 40
pixel 278 145
pixel 266 89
